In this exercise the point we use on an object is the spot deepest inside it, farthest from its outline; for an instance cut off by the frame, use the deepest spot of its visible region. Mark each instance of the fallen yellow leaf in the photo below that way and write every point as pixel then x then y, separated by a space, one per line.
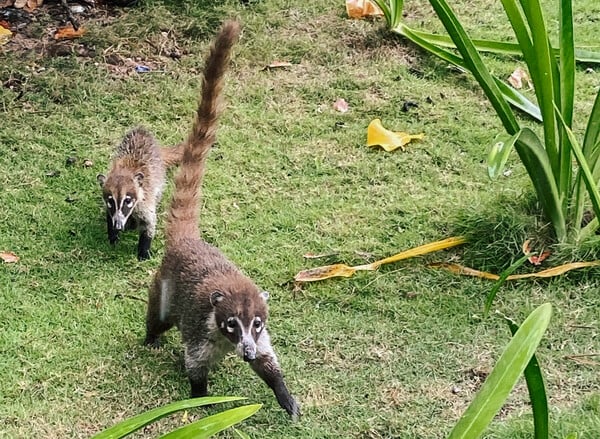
pixel 343 270
pixel 388 140
pixel 5 35
pixel 551 272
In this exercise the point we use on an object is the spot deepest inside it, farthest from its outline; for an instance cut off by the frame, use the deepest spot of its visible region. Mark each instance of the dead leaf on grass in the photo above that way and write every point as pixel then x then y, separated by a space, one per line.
pixel 533 259
pixel 68 33
pixel 362 9
pixel 341 105
pixel 519 78
pixel 5 35
pixel 343 270
pixel 551 272
pixel 377 135
pixel 9 257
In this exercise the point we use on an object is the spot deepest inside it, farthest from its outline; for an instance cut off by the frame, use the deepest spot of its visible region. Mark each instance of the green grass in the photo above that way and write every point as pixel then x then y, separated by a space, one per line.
pixel 374 356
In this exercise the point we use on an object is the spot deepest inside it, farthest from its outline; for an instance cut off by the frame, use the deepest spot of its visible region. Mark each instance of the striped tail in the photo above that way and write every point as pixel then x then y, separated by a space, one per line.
pixel 182 220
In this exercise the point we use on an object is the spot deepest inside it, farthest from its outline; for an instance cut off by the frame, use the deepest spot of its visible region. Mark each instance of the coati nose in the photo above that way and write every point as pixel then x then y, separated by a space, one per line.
pixel 249 353
pixel 119 221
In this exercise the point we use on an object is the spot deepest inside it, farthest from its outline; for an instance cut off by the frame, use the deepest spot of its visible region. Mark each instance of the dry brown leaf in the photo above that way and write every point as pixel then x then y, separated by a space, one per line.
pixel 519 78
pixel 9 257
pixel 341 105
pixel 33 4
pixel 362 9
pixel 68 33
pixel 533 259
pixel 19 4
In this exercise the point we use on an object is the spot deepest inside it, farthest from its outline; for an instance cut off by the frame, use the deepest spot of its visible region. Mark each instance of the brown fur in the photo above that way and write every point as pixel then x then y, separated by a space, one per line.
pixel 215 306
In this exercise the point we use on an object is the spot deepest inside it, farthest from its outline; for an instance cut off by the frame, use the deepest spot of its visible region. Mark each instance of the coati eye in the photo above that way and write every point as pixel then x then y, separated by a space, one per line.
pixel 257 322
pixel 231 322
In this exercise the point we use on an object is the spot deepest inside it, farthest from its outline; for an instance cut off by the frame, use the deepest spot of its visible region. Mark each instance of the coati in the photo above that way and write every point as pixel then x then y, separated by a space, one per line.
pixel 134 185
pixel 216 308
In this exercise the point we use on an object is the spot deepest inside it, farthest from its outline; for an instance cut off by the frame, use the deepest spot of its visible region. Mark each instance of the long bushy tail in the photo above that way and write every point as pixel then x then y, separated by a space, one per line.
pixel 172 155
pixel 182 220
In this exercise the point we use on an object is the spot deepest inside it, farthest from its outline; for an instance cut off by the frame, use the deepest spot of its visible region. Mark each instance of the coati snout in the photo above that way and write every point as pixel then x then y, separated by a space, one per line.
pixel 242 327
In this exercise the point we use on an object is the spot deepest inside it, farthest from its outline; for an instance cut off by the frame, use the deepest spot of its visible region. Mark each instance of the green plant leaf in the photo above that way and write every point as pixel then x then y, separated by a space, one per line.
pixel 130 425
pixel 536 162
pixel 586 172
pixel 537 391
pixel 504 376
pixel 496 287
pixel 498 155
pixel 210 425
pixel 475 65
pixel 501 47
pixel 591 151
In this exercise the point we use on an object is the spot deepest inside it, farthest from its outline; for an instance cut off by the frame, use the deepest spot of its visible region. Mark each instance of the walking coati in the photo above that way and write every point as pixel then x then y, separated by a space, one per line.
pixel 215 306
pixel 134 185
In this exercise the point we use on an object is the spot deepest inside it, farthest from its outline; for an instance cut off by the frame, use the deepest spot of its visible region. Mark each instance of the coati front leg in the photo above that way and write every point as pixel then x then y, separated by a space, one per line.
pixel 199 358
pixel 113 234
pixel 147 229
pixel 267 368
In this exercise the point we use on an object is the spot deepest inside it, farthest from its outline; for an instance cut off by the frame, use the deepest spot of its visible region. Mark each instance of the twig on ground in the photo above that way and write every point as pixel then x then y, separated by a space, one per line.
pixel 70 16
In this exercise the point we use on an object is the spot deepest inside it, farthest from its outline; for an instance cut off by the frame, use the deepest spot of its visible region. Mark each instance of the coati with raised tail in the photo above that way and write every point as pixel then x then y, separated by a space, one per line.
pixel 134 185
pixel 215 306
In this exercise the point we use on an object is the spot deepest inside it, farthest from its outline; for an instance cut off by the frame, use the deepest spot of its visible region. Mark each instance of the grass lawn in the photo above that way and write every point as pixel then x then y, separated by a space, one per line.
pixel 397 353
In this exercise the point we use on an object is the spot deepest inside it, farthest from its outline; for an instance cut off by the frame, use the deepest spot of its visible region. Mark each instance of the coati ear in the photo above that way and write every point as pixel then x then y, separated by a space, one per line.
pixel 139 177
pixel 101 179
pixel 264 295
pixel 216 297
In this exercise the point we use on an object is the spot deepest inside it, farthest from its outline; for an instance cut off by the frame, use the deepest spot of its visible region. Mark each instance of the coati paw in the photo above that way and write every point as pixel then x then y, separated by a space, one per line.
pixel 152 341
pixel 143 255
pixel 292 408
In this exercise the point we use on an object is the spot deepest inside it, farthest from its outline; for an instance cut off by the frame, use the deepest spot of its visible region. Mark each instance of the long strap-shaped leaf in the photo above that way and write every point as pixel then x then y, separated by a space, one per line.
pixel 504 376
pixel 543 70
pixel 499 47
pixel 591 151
pixel 537 391
pixel 132 424
pixel 586 172
pixel 536 162
pixel 567 93
pixel 206 427
pixel 475 64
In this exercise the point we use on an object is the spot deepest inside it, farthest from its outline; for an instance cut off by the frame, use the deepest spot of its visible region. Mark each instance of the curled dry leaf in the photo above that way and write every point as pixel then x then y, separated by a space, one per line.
pixel 9 257
pixel 533 259
pixel 362 9
pixel 87 163
pixel 68 33
pixel 519 78
pixel 343 270
pixel 551 272
pixel 377 135
pixel 341 105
